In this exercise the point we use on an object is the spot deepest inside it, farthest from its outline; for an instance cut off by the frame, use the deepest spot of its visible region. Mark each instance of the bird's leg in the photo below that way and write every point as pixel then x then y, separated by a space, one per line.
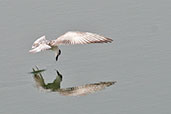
pixel 58 55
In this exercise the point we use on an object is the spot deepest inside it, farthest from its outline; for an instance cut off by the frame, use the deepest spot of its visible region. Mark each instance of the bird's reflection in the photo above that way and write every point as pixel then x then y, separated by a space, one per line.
pixel 71 91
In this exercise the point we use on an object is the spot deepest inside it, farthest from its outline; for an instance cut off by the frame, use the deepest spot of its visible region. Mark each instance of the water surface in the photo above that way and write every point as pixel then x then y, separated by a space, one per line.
pixel 138 59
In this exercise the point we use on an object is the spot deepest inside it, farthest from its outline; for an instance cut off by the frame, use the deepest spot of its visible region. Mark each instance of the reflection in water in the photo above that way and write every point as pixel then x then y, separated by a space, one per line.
pixel 71 91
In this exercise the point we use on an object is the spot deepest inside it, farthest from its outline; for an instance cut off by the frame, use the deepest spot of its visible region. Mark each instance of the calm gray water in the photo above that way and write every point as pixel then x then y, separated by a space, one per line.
pixel 139 59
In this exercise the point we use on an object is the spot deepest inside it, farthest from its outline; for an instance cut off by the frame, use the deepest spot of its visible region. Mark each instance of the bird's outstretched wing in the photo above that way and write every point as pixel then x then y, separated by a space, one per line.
pixel 80 38
pixel 85 89
pixel 41 47
pixel 39 41
pixel 40 44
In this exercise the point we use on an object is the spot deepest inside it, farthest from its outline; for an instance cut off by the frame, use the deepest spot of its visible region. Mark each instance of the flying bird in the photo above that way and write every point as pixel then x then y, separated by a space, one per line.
pixel 69 38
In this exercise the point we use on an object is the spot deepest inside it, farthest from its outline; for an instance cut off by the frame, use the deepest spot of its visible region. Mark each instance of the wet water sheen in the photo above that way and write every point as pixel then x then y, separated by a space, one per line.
pixel 138 59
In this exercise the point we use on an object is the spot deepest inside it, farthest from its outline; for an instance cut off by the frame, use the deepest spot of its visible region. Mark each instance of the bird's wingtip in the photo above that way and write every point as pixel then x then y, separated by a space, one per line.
pixel 109 40
pixel 43 36
pixel 31 51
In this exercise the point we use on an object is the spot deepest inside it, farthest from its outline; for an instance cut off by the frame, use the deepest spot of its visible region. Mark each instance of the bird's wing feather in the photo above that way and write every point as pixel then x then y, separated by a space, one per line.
pixel 39 48
pixel 80 38
pixel 40 44
pixel 39 41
